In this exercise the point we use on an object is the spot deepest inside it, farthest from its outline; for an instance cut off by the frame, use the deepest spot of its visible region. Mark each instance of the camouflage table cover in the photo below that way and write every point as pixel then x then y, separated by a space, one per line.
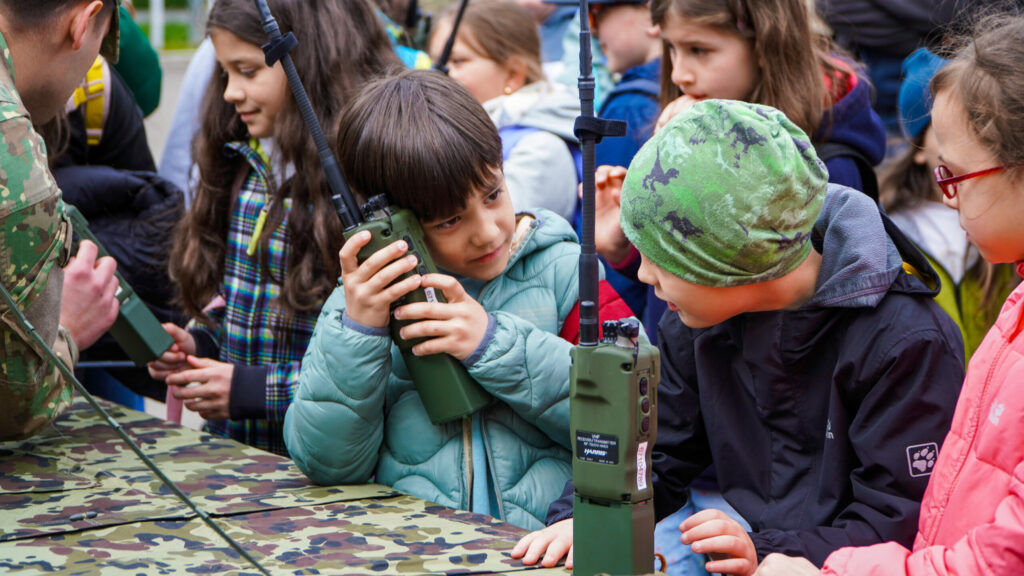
pixel 76 500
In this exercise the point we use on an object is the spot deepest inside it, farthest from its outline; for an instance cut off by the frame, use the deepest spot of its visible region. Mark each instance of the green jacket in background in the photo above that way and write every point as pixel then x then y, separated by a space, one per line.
pixel 963 301
pixel 139 65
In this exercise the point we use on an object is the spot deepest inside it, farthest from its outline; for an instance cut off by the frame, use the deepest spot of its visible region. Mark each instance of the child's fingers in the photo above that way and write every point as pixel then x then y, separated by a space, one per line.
pixel 186 377
pixel 384 276
pixel 702 517
pixel 348 256
pixel 722 544
pixel 452 289
pixel 176 332
pixel 730 566
pixel 399 289
pixel 442 344
pixel 537 547
pixel 557 550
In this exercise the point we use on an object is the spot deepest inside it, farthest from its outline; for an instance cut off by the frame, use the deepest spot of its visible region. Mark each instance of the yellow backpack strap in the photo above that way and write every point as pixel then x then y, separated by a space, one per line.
pixel 93 95
pixel 909 269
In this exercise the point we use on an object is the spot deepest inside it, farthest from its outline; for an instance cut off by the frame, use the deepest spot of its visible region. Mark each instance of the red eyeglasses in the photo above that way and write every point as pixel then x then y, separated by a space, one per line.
pixel 946 180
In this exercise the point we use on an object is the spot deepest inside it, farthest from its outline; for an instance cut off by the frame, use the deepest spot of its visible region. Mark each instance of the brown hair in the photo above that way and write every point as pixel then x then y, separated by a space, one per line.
pixel 988 73
pixel 792 58
pixel 423 140
pixel 341 45
pixel 501 30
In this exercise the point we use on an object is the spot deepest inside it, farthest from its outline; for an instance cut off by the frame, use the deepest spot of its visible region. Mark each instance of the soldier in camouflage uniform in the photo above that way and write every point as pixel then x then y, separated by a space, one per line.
pixel 46 47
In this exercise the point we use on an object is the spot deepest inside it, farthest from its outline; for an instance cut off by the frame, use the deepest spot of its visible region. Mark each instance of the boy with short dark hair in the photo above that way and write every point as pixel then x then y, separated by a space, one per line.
pixel 511 283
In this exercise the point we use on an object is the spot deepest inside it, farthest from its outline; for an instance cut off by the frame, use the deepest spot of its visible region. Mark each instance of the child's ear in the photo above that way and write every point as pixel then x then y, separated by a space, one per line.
pixel 919 157
pixel 516 78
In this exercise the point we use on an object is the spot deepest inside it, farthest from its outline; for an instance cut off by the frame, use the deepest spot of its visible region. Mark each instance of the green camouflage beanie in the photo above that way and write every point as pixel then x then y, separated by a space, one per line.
pixel 724 195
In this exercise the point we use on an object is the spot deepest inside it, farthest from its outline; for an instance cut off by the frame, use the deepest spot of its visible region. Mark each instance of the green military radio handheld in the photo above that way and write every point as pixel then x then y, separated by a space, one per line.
pixel 136 330
pixel 444 385
pixel 613 395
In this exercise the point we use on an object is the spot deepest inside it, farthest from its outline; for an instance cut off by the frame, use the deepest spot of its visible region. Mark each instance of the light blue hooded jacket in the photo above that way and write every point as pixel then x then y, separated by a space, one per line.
pixel 357 415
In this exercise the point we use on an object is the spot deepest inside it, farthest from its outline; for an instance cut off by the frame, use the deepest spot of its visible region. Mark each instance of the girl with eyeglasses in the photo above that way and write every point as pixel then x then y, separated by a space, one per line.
pixel 973 289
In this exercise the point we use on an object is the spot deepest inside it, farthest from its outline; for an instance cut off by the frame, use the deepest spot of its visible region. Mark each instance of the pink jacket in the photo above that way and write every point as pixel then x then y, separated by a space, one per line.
pixel 972 516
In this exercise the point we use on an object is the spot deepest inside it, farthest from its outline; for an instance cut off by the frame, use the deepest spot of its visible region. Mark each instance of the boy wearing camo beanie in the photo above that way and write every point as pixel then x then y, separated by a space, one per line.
pixel 803 361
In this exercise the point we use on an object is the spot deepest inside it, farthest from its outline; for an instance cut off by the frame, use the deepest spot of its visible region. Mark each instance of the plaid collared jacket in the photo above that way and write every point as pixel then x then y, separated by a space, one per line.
pixel 249 329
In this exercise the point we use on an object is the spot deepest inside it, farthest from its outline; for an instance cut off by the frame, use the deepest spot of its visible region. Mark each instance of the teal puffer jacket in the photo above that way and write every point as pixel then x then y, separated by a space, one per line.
pixel 356 414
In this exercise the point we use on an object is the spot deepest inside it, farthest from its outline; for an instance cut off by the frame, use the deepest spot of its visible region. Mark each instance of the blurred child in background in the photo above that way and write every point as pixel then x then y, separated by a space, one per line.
pixel 496 56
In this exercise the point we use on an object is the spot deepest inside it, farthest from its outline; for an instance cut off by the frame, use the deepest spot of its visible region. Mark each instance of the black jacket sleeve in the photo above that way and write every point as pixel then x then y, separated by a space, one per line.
pixel 901 399
pixel 681 451
pixel 562 508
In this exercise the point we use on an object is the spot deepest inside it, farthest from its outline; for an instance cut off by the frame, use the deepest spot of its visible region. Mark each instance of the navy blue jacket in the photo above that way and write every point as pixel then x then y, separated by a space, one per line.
pixel 852 122
pixel 635 100
pixel 811 415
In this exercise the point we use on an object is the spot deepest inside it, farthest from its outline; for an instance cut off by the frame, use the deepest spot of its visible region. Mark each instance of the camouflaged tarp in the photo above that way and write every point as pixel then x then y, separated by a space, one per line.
pixel 75 499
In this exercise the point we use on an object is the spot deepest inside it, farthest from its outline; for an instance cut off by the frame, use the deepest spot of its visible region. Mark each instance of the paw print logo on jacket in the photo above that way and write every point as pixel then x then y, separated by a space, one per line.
pixel 921 458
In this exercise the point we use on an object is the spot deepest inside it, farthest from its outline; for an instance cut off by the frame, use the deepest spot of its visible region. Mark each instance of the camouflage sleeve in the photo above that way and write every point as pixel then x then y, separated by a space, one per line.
pixel 33 234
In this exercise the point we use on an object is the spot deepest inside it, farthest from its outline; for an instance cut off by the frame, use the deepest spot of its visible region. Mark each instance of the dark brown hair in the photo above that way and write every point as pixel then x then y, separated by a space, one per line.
pixel 501 30
pixel 792 58
pixel 342 44
pixel 423 140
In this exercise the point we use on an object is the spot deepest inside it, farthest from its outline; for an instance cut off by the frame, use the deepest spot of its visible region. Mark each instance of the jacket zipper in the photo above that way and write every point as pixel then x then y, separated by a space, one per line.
pixel 467 461
pixel 493 473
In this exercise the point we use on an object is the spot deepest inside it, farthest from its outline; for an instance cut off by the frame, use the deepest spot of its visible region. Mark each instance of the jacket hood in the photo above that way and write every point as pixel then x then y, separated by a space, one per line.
pixel 863 254
pixel 852 120
pixel 543 105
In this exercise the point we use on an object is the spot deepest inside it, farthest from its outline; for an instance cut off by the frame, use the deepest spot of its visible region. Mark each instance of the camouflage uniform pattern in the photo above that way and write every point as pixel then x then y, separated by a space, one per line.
pixel 33 231
pixel 76 499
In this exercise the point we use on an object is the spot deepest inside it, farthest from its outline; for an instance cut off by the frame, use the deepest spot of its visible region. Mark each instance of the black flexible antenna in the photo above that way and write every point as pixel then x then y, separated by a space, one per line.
pixel 442 62
pixel 277 49
pixel 590 130
pixel 412 15
pixel 67 374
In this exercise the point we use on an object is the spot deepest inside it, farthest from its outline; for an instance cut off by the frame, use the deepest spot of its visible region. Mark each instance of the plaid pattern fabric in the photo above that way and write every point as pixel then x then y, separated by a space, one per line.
pixel 249 328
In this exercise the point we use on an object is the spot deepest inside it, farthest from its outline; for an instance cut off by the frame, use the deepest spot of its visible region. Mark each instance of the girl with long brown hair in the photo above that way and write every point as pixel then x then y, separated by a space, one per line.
pixel 254 257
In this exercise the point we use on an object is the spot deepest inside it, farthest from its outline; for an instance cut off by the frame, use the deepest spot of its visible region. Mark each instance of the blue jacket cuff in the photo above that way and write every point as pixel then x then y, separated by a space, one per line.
pixel 492 326
pixel 367 330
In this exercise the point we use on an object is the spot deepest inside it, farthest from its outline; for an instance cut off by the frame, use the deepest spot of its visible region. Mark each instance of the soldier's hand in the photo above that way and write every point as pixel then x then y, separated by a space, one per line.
pixel 175 358
pixel 782 565
pixel 88 305
pixel 553 542
pixel 211 398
